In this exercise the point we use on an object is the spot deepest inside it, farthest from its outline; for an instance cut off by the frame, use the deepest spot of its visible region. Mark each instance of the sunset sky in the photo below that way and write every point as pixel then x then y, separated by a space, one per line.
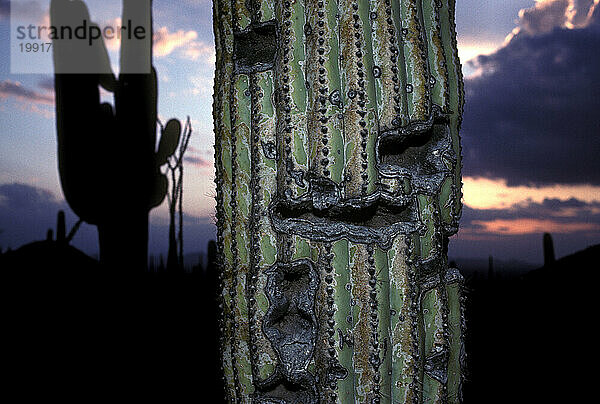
pixel 531 127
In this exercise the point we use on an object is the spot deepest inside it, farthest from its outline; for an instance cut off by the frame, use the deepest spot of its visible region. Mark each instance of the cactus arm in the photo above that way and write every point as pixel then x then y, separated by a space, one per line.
pixel 136 52
pixel 136 101
pixel 169 141
pixel 77 105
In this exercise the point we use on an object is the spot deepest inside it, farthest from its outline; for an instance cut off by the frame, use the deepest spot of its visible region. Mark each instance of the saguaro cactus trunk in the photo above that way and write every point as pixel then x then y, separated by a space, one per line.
pixel 109 168
pixel 338 184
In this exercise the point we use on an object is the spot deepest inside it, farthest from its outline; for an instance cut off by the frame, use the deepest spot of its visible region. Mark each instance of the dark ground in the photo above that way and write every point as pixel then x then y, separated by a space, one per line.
pixel 77 335
pixel 81 335
pixel 527 336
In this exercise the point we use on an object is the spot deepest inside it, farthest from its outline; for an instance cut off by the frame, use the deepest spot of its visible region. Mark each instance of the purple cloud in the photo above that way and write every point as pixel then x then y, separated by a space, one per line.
pixel 47 83
pixel 27 211
pixel 517 232
pixel 561 211
pixel 198 162
pixel 14 89
pixel 547 15
pixel 531 116
pixel 4 8
pixel 31 9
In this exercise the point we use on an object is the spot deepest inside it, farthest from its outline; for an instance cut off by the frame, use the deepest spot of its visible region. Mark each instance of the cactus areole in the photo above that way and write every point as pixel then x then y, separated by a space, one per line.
pixel 337 160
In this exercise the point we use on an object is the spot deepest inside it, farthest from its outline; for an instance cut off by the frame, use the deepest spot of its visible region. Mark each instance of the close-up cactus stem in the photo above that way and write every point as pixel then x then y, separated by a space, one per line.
pixel 338 179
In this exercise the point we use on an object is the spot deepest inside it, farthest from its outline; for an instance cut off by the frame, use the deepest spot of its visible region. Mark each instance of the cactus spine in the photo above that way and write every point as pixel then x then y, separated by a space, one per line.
pixel 338 184
pixel 109 170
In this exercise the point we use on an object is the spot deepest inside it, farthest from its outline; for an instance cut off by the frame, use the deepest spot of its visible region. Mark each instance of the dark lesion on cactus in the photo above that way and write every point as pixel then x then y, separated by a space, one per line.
pixel 375 224
pixel 255 48
pixel 421 151
pixel 278 390
pixel 322 215
pixel 290 325
pixel 436 366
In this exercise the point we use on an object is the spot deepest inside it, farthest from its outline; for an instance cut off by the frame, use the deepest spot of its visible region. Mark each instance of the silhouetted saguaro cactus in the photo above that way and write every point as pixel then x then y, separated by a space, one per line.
pixel 109 170
pixel 548 250
pixel 338 184
pixel 61 228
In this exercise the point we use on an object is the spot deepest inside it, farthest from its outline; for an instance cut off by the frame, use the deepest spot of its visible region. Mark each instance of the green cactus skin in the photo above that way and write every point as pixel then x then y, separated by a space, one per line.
pixel 338 179
pixel 109 170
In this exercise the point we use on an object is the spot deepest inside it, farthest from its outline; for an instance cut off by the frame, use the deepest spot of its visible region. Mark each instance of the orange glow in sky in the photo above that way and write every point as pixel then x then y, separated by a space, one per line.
pixel 529 226
pixel 485 193
pixel 467 50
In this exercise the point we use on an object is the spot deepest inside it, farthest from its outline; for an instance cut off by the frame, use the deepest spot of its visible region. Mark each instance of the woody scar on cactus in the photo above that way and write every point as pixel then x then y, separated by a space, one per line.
pixel 110 170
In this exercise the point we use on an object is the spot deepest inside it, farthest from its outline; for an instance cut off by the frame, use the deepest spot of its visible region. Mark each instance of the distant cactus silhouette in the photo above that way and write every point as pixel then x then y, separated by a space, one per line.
pixel 61 230
pixel 109 169
pixel 548 250
pixel 175 196
pixel 61 233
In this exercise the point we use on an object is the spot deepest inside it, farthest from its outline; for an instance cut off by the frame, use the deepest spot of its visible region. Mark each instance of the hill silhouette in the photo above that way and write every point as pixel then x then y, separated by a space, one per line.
pixel 77 331
pixel 523 341
pixel 74 330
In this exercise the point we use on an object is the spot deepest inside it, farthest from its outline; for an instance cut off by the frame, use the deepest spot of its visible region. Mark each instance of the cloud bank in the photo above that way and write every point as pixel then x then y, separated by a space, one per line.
pixel 4 8
pixel 199 162
pixel 551 215
pixel 531 114
pixel 27 212
pixel 517 231
pixel 14 89
pixel 547 15
pixel 186 42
